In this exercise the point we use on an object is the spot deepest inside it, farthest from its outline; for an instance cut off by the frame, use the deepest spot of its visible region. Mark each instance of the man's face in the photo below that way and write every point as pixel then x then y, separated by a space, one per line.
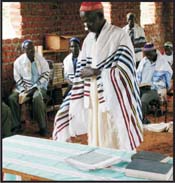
pixel 168 50
pixel 29 50
pixel 151 55
pixel 91 21
pixel 74 48
pixel 130 21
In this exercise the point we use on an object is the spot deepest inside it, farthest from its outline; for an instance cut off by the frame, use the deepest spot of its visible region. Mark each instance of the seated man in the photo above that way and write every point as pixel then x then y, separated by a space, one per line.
pixel 31 74
pixel 70 62
pixel 6 121
pixel 154 75
pixel 168 54
pixel 137 36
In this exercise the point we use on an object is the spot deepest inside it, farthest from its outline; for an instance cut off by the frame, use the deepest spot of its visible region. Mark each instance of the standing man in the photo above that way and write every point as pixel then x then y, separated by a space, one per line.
pixel 70 63
pixel 137 36
pixel 31 73
pixel 105 85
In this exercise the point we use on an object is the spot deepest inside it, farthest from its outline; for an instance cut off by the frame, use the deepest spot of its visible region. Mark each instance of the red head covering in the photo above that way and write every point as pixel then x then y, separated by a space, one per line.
pixel 90 6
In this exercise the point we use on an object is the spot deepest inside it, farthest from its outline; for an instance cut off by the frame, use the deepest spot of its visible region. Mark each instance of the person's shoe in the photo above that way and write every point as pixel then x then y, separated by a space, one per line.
pixel 146 122
pixel 42 132
pixel 17 130
pixel 159 113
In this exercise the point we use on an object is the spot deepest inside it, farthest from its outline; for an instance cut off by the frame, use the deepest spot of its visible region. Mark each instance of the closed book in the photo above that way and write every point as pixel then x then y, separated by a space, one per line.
pixel 153 156
pixel 152 170
pixel 23 97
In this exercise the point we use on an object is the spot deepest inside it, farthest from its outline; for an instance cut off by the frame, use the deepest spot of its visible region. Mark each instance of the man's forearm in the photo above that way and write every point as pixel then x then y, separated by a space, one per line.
pixel 89 72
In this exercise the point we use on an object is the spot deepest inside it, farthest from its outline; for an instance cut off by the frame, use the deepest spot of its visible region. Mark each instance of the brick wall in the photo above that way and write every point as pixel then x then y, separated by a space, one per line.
pixel 70 20
pixel 37 19
pixel 162 30
pixel 120 9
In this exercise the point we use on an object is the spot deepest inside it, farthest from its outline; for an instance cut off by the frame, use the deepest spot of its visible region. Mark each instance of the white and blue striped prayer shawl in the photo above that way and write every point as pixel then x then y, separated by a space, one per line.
pixel 162 74
pixel 139 37
pixel 118 93
pixel 23 74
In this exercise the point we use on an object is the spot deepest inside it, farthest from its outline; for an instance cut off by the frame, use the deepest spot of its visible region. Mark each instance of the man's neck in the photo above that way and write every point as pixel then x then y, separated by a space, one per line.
pixel 154 60
pixel 31 59
pixel 98 33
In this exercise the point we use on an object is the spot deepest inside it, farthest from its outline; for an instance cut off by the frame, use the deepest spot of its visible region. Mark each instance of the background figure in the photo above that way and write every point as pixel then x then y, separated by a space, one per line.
pixel 105 91
pixel 137 36
pixel 31 74
pixel 70 62
pixel 154 75
pixel 168 52
pixel 6 120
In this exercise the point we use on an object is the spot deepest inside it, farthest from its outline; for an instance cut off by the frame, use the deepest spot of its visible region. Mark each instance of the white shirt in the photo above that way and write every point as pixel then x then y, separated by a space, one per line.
pixel 169 58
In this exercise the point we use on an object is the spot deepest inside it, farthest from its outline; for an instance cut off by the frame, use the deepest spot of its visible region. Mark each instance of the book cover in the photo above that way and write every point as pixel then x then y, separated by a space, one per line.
pixel 92 160
pixel 153 156
pixel 23 97
pixel 152 170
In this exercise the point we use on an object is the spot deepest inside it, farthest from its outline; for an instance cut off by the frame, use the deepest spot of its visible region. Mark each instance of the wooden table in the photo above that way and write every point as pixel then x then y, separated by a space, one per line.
pixel 29 158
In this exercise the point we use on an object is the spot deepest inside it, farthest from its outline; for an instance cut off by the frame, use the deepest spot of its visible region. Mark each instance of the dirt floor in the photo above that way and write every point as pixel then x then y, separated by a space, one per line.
pixel 153 141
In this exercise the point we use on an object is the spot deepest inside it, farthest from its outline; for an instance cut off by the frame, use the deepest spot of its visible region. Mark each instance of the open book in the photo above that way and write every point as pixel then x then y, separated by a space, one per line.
pixel 92 160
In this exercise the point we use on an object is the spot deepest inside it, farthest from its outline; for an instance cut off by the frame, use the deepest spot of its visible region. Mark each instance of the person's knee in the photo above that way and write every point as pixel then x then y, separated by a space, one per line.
pixel 144 108
pixel 37 99
pixel 12 98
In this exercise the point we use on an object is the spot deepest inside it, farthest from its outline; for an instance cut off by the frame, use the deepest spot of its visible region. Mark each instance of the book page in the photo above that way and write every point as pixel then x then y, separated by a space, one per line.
pixel 92 160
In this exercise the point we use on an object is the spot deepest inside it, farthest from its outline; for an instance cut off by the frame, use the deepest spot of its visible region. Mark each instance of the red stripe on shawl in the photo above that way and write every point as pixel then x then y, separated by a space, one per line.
pixel 61 129
pixel 130 102
pixel 77 88
pixel 62 124
pixel 86 91
pixel 120 98
pixel 62 117
pixel 128 120
pixel 133 122
pixel 127 91
pixel 76 98
pixel 65 113
pixel 86 94
pixel 74 95
pixel 102 101
pixel 87 84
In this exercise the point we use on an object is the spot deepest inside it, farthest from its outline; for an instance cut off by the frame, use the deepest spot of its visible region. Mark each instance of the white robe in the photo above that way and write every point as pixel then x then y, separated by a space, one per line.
pixel 109 103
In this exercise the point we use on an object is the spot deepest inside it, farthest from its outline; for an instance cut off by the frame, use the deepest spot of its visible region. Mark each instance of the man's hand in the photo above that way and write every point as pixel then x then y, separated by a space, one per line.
pixel 89 72
pixel 69 81
pixel 31 91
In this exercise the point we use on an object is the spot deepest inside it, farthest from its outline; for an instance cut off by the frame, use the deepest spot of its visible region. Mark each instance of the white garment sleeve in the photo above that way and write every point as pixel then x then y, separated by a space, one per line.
pixel 45 72
pixel 19 81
